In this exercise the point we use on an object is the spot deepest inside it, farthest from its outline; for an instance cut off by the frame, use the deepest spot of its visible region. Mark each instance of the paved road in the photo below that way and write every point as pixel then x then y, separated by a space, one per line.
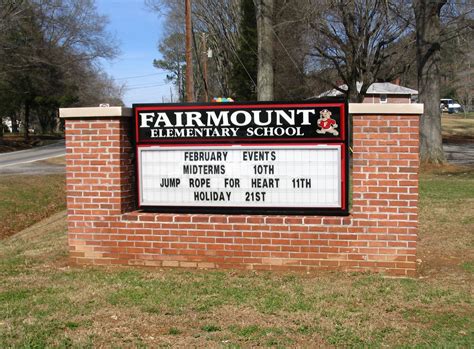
pixel 25 161
pixel 459 154
pixel 31 155
pixel 28 161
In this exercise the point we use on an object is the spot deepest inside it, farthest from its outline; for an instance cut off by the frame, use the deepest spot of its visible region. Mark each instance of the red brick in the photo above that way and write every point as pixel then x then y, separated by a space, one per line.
pixel 383 226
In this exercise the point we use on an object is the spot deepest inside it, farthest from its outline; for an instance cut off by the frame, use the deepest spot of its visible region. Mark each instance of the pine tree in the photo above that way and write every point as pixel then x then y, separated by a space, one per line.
pixel 244 65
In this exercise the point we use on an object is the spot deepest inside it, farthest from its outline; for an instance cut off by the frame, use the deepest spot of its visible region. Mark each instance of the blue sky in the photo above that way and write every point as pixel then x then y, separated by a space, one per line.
pixel 137 30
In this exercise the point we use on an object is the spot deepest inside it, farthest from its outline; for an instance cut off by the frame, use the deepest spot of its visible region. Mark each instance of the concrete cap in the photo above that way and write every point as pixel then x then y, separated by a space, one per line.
pixel 95 112
pixel 354 108
pixel 387 109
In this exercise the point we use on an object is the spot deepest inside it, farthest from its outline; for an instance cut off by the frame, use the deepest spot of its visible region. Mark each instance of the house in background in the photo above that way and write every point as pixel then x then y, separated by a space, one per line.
pixel 380 92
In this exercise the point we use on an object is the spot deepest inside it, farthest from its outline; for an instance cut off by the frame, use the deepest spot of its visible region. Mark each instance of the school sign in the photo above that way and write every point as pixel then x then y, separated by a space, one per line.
pixel 244 186
pixel 273 158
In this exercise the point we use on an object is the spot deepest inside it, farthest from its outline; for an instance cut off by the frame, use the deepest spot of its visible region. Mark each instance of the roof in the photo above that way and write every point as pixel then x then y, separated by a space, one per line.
pixel 377 88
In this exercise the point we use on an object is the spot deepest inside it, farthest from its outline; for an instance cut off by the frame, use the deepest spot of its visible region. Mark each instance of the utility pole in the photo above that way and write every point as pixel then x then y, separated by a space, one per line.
pixel 189 55
pixel 204 65
pixel 265 50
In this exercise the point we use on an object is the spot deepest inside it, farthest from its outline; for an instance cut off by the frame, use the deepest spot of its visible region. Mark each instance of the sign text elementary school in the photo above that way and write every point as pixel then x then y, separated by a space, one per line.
pixel 270 158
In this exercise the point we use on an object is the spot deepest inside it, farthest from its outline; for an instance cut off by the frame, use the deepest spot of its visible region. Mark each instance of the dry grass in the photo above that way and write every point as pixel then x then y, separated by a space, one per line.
pixel 59 160
pixel 457 128
pixel 46 303
pixel 13 142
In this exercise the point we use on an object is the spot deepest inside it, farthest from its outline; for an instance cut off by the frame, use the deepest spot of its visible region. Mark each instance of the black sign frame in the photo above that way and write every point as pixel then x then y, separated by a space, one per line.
pixel 342 139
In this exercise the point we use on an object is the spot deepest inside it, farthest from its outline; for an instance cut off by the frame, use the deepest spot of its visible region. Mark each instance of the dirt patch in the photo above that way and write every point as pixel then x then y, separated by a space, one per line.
pixel 458 139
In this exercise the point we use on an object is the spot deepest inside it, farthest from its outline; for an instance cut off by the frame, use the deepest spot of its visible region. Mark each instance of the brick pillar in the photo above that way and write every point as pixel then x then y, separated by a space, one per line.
pixel 379 235
pixel 99 175
pixel 385 189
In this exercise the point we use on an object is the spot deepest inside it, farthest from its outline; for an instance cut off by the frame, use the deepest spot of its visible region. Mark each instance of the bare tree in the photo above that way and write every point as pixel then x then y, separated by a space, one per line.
pixel 355 38
pixel 438 23
pixel 428 44
pixel 219 20
pixel 40 55
pixel 10 12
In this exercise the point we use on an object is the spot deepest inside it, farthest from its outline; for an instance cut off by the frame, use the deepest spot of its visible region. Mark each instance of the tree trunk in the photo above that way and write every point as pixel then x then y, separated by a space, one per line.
pixel 265 50
pixel 180 84
pixel 352 93
pixel 189 55
pixel 14 120
pixel 27 121
pixel 428 47
pixel 57 125
pixel 353 96
pixel 1 130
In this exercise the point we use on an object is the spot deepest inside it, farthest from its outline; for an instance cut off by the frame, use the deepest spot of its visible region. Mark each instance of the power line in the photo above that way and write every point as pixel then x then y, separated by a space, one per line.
pixel 139 76
pixel 145 84
pixel 142 87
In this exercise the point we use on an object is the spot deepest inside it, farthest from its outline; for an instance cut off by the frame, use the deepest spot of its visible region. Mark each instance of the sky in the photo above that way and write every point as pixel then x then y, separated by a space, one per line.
pixel 137 30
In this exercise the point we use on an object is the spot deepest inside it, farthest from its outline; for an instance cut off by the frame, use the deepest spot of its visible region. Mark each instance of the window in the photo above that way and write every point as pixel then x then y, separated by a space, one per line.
pixel 383 98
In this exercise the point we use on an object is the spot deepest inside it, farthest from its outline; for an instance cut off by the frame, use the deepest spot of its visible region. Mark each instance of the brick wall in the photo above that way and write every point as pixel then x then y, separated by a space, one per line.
pixel 379 235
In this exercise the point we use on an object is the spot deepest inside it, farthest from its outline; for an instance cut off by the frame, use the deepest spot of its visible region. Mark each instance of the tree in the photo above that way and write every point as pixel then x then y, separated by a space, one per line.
pixel 290 47
pixel 244 63
pixel 23 62
pixel 43 54
pixel 355 38
pixel 457 60
pixel 218 19
pixel 265 50
pixel 428 45
pixel 438 24
pixel 173 52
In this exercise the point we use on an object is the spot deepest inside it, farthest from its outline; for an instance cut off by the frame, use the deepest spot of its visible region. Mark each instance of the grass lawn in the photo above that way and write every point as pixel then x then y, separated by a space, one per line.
pixel 457 127
pixel 28 199
pixel 46 303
